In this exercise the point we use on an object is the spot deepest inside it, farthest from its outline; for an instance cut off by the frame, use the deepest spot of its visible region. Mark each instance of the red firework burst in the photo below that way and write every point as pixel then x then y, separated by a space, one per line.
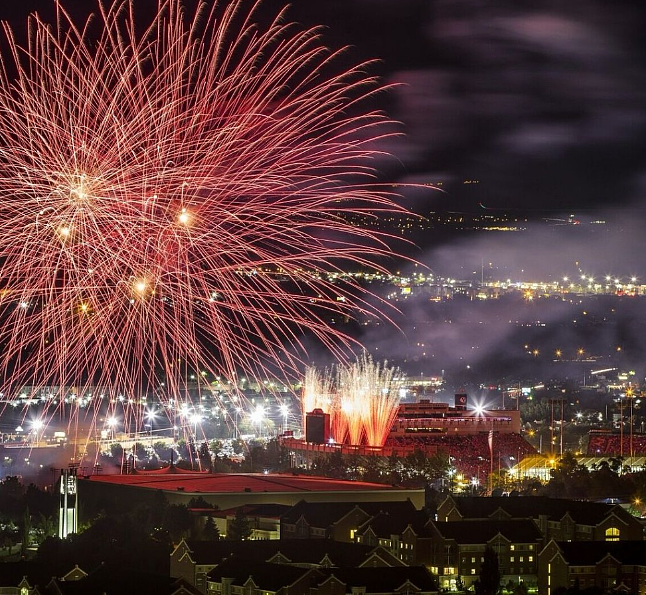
pixel 171 199
pixel 362 400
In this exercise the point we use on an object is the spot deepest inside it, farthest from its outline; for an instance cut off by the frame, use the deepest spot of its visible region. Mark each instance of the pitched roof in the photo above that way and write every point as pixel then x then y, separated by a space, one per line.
pixel 483 531
pixel 383 579
pixel 11 573
pixel 585 553
pixel 582 512
pixel 266 576
pixel 304 551
pixel 324 515
pixel 385 524
pixel 106 581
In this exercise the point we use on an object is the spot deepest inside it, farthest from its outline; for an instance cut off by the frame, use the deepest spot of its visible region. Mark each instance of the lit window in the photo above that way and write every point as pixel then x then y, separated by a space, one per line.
pixel 512 547
pixel 530 558
pixel 521 559
pixel 612 534
pixel 473 560
pixel 473 571
pixel 511 559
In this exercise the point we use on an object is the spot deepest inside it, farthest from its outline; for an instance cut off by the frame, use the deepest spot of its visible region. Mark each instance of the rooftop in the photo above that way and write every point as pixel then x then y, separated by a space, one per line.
pixel 227 483
pixel 483 531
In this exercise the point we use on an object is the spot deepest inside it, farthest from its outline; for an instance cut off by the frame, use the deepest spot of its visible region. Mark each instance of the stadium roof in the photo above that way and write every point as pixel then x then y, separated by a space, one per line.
pixel 227 483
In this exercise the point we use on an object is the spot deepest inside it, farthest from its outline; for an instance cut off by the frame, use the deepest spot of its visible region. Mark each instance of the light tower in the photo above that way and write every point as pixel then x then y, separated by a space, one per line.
pixel 68 508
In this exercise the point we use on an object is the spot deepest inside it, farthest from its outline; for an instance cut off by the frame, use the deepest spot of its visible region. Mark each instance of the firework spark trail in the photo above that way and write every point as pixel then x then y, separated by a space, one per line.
pixel 158 187
pixel 351 397
pixel 316 393
pixel 381 386
pixel 364 403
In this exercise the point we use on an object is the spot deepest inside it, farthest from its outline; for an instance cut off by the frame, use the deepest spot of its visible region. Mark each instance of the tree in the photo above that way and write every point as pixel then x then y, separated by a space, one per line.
pixel 569 479
pixel 200 502
pixel 488 582
pixel 240 528
pixel 211 531
pixel 45 527
pixel 26 533
pixel 177 521
pixel 206 463
pixel 216 447
pixel 116 450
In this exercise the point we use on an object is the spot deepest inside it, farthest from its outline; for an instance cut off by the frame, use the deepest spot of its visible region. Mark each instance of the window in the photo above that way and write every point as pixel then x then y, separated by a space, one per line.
pixel 511 559
pixel 352 533
pixel 449 570
pixel 512 547
pixel 521 559
pixel 434 569
pixel 473 560
pixel 530 558
pixel 473 571
pixel 612 534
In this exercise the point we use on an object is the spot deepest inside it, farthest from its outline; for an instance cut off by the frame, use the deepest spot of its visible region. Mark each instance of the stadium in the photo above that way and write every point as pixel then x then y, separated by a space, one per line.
pixel 475 441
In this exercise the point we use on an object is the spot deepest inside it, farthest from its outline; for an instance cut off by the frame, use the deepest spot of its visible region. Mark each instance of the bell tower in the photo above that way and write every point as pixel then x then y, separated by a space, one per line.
pixel 68 507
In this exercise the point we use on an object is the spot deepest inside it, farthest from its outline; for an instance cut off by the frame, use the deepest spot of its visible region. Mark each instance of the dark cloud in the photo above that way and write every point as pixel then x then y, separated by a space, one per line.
pixel 545 103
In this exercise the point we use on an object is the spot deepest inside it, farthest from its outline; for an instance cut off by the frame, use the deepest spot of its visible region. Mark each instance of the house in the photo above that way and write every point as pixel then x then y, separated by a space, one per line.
pixel 264 519
pixel 115 583
pixel 28 577
pixel 193 560
pixel 378 581
pixel 338 521
pixel 609 565
pixel 387 530
pixel 454 551
pixel 557 518
pixel 23 586
pixel 101 581
pixel 236 577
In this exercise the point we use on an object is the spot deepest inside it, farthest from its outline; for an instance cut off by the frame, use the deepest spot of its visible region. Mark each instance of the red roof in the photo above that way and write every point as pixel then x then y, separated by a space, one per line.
pixel 237 482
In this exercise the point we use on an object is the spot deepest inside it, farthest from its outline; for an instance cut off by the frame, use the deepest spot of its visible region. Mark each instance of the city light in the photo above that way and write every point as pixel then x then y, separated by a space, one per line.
pixel 257 416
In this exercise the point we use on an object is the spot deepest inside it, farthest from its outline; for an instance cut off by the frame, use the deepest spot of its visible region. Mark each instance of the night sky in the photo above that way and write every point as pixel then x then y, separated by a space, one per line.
pixel 544 103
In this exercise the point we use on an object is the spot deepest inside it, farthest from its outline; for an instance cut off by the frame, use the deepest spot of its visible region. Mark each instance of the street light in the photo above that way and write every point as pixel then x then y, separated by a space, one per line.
pixel 284 409
pixel 112 422
pixel 236 430
pixel 196 419
pixel 151 415
pixel 36 426
pixel 257 417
